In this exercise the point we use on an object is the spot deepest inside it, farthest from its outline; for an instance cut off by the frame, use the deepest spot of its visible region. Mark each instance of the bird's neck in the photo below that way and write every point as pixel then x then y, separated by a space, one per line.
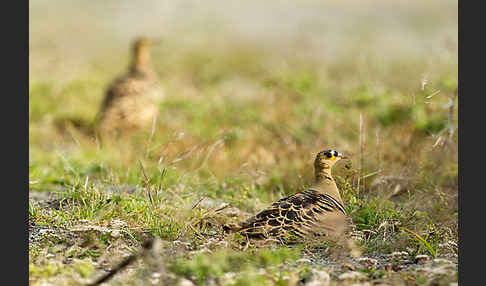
pixel 324 183
pixel 141 62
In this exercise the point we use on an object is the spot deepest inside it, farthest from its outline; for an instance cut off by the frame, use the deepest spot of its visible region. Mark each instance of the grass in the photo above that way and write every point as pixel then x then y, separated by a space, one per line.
pixel 204 267
pixel 239 129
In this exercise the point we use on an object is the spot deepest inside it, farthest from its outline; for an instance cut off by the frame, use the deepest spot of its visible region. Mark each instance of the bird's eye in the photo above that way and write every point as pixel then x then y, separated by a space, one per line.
pixel 329 155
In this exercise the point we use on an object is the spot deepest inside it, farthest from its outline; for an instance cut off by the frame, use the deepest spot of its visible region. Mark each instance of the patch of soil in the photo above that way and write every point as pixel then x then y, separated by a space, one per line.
pixel 39 233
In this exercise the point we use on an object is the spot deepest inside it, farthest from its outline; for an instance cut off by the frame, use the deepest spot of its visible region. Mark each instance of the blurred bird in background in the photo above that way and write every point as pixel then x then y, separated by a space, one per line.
pixel 129 102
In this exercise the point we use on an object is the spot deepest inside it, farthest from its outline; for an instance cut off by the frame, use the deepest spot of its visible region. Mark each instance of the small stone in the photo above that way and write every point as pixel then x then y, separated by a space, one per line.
pixel 303 260
pixel 185 282
pixel 440 271
pixel 361 284
pixel 45 284
pixel 201 251
pixel 115 234
pixel 313 283
pixel 398 254
pixel 118 224
pixel 181 243
pixel 352 275
pixel 229 275
pixel 367 262
pixel 208 203
pixel 223 243
pixel 442 261
pixel 421 258
pixel 319 277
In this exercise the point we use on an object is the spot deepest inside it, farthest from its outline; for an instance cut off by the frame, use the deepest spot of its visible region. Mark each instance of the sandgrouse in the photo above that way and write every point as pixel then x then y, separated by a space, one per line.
pixel 129 100
pixel 316 211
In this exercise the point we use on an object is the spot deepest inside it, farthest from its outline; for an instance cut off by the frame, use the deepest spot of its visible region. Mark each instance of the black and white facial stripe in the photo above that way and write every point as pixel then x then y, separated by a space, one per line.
pixel 331 153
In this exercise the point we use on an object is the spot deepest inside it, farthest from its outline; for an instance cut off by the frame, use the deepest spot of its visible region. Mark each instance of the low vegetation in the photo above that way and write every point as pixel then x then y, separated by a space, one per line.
pixel 239 129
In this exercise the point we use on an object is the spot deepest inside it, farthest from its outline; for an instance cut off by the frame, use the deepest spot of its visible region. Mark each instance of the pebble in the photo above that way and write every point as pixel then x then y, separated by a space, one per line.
pixel 118 224
pixel 442 261
pixel 422 258
pixel 115 234
pixel 315 283
pixel 201 251
pixel 229 275
pixel 178 242
pixel 352 275
pixel 319 277
pixel 398 254
pixel 303 260
pixel 185 282
pixel 439 271
pixel 368 262
pixel 45 284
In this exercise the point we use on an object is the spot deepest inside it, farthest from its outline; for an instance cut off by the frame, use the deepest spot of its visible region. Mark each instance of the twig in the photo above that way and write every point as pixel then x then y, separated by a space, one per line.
pixel 147 245
pixel 198 202
pixel 221 208
pixel 370 174
pixel 434 93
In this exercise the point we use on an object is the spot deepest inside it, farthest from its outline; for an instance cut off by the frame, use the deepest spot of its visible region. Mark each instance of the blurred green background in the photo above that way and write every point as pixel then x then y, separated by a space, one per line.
pixel 253 90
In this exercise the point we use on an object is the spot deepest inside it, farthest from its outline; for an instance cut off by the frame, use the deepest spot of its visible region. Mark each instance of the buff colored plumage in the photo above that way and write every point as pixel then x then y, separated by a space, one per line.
pixel 318 210
pixel 129 101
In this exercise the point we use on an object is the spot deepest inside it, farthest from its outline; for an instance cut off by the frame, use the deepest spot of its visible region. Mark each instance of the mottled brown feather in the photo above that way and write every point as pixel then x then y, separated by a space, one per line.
pixel 296 215
pixel 315 211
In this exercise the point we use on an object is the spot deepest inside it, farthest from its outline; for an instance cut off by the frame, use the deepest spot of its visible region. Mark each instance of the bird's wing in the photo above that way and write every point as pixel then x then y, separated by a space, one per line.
pixel 297 215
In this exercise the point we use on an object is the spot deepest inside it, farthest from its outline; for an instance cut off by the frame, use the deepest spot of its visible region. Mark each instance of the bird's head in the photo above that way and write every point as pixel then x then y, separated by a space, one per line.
pixel 142 43
pixel 327 158
pixel 141 55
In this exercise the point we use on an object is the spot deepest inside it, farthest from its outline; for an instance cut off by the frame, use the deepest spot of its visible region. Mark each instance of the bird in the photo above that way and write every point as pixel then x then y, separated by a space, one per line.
pixel 129 102
pixel 316 211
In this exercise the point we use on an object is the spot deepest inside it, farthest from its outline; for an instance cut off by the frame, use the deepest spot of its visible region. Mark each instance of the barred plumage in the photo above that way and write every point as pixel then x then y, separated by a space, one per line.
pixel 316 211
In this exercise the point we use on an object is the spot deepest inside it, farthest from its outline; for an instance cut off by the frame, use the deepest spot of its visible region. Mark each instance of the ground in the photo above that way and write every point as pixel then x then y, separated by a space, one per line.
pixel 241 123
